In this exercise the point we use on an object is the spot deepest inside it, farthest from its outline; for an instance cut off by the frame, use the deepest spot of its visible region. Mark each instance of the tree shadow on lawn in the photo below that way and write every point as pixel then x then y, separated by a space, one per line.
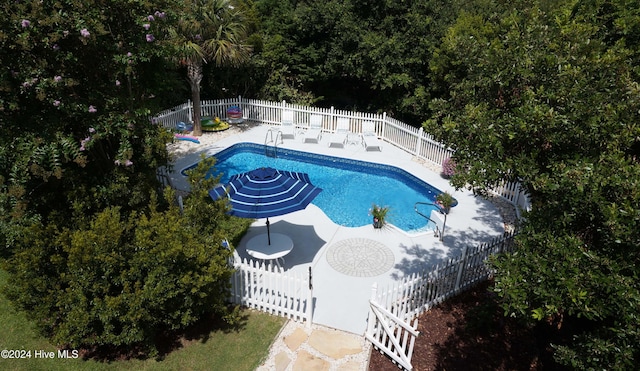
pixel 167 341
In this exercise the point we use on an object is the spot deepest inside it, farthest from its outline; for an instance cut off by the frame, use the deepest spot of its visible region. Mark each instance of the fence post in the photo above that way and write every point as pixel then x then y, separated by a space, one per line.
pixel 516 200
pixel 461 269
pixel 372 316
pixel 420 132
pixel 190 107
pixel 310 300
pixel 333 119
pixel 384 125
pixel 283 106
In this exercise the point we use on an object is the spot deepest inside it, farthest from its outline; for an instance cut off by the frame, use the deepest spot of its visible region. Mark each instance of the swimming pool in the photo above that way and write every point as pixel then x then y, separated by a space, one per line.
pixel 350 187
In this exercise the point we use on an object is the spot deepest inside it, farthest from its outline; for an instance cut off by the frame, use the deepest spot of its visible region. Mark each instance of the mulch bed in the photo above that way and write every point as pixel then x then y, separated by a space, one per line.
pixel 469 332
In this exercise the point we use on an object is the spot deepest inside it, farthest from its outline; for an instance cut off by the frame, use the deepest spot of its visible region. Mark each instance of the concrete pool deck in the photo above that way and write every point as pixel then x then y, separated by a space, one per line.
pixel 341 296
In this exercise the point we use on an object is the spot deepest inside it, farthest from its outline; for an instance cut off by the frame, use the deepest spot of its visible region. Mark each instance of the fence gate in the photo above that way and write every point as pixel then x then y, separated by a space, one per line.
pixel 391 334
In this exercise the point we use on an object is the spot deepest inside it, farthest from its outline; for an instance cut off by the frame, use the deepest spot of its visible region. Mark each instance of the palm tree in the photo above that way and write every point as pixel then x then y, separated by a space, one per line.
pixel 208 31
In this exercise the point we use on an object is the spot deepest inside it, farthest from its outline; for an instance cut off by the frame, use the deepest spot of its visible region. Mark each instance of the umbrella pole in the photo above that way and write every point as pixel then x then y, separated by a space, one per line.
pixel 268 233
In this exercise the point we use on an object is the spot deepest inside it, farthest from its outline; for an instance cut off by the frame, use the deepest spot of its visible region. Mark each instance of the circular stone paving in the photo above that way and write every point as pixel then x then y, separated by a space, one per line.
pixel 360 257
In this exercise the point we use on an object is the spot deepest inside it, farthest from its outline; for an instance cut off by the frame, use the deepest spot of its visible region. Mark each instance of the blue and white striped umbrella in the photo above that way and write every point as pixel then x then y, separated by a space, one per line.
pixel 266 192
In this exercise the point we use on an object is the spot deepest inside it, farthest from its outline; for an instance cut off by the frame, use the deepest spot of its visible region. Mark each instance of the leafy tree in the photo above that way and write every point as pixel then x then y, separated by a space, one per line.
pixel 78 84
pixel 363 55
pixel 126 278
pixel 95 257
pixel 120 281
pixel 543 94
pixel 207 30
pixel 270 73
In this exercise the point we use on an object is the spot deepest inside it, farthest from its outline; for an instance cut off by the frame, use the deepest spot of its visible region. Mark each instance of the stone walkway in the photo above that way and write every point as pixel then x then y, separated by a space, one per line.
pixel 319 348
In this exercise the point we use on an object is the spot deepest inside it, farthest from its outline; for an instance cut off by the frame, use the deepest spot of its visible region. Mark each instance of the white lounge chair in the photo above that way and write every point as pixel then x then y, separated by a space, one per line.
pixel 369 137
pixel 339 138
pixel 314 132
pixel 287 125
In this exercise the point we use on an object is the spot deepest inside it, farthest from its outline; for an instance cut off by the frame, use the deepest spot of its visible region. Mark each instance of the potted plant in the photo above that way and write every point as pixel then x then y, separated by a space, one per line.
pixel 445 200
pixel 448 168
pixel 379 214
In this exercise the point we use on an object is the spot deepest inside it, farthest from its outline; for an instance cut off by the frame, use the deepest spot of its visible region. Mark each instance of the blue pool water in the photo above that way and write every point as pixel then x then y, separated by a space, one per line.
pixel 349 187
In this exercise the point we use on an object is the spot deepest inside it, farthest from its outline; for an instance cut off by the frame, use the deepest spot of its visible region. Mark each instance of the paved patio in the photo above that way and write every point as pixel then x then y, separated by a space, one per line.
pixel 345 261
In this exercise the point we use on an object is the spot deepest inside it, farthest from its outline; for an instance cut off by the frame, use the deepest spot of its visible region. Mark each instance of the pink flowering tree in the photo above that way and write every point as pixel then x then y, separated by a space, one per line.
pixel 83 231
pixel 68 67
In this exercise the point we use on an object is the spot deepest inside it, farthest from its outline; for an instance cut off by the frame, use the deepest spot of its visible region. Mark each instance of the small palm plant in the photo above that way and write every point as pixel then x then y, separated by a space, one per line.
pixel 445 201
pixel 208 31
pixel 379 214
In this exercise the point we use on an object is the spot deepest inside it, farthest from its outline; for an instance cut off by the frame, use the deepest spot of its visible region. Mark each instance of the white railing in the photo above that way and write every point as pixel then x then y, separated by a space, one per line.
pixel 389 129
pixel 512 192
pixel 265 288
pixel 419 292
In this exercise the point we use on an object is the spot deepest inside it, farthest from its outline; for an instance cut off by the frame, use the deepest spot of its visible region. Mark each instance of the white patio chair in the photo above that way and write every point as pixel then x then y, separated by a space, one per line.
pixel 339 138
pixel 369 137
pixel 314 132
pixel 288 125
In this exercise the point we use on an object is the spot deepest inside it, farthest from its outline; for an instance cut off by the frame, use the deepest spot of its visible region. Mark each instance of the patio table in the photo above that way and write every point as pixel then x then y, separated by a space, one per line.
pixel 259 248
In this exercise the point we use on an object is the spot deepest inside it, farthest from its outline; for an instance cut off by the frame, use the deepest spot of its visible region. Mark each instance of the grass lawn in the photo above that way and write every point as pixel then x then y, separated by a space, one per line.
pixel 219 350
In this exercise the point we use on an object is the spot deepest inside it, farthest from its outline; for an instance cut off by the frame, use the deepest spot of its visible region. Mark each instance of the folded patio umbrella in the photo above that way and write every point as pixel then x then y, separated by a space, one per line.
pixel 266 192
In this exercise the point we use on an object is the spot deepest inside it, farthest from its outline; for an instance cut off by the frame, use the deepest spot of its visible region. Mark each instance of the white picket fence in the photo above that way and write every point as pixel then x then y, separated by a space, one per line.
pixel 264 287
pixel 512 192
pixel 389 129
pixel 411 139
pixel 391 334
pixel 171 117
pixel 404 136
pixel 393 315
pixel 419 292
pixel 393 330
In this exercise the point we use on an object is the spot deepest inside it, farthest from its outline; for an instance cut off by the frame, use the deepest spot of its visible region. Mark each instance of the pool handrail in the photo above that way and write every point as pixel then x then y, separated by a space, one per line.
pixel 269 139
pixel 437 233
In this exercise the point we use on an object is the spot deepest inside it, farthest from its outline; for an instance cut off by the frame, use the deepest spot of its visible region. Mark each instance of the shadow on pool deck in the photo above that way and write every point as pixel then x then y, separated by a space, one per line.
pixel 305 239
pixel 342 301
